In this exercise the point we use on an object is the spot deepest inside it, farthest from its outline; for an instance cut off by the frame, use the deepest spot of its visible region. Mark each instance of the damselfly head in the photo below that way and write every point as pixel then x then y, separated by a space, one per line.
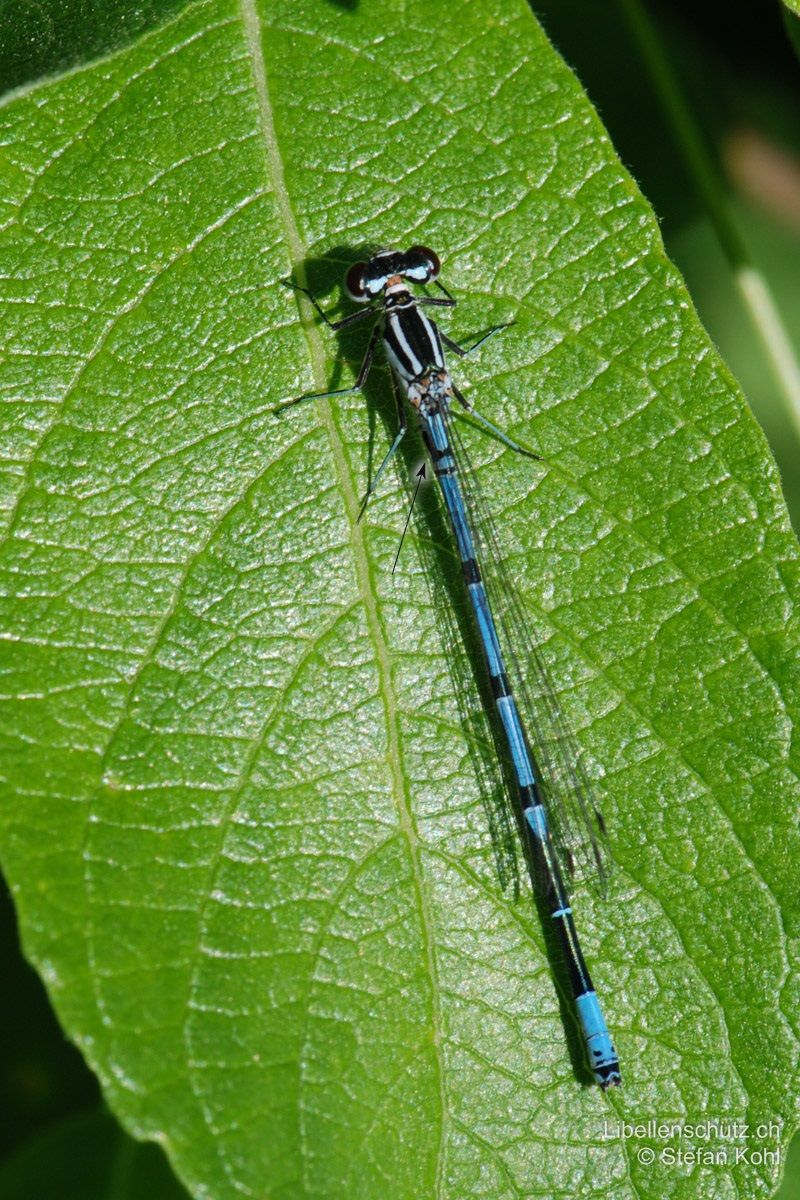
pixel 366 280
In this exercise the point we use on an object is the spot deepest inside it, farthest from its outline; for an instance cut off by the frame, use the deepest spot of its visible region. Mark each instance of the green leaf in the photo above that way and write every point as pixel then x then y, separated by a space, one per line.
pixel 246 820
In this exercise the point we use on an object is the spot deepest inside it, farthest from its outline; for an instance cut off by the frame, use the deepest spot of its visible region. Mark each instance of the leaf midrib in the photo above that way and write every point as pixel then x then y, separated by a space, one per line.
pixel 356 537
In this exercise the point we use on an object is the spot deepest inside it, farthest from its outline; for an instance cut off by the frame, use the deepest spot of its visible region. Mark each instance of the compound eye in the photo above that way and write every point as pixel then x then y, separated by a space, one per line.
pixel 354 282
pixel 430 259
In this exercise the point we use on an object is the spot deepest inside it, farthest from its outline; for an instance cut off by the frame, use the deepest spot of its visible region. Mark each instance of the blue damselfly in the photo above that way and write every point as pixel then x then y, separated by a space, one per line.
pixel 413 346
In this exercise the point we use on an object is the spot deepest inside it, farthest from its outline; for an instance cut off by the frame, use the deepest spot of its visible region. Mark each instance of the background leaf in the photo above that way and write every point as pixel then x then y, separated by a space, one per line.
pixel 40 38
pixel 706 132
pixel 245 829
pixel 88 1158
pixel 42 1077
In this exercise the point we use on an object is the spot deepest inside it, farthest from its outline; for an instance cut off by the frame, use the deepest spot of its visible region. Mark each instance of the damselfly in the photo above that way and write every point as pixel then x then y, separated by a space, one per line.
pixel 413 345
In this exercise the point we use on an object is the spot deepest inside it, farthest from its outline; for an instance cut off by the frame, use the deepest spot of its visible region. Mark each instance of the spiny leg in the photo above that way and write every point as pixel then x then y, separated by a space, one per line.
pixel 363 372
pixel 462 351
pixel 435 301
pixel 402 422
pixel 487 424
pixel 450 299
pixel 344 322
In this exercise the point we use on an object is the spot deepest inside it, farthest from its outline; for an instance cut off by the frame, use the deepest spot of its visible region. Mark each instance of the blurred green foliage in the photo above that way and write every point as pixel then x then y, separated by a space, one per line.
pixel 46 37
pixel 741 81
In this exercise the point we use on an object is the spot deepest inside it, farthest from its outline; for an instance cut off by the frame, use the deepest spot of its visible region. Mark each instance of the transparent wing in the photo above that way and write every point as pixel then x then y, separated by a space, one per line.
pixel 567 790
